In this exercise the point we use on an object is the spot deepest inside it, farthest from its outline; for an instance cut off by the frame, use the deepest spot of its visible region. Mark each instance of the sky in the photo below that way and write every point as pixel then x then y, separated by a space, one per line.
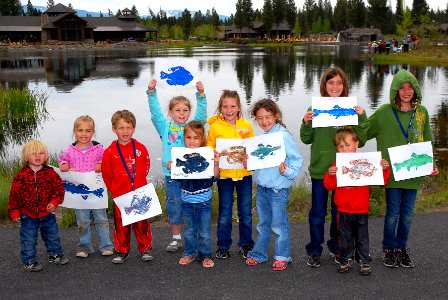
pixel 226 7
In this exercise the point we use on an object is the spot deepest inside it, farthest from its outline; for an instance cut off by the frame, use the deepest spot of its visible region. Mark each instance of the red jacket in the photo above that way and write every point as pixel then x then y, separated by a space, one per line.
pixel 114 174
pixel 351 199
pixel 31 192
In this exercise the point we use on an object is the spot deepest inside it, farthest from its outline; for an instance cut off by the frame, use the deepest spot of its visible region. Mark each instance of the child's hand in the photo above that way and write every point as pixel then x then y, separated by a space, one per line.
pixel 435 172
pixel 152 85
pixel 359 110
pixel 246 157
pixel 168 164
pixel 98 168
pixel 64 168
pixel 384 164
pixel 282 168
pixel 200 88
pixel 51 208
pixel 308 117
pixel 16 220
pixel 332 170
pixel 216 157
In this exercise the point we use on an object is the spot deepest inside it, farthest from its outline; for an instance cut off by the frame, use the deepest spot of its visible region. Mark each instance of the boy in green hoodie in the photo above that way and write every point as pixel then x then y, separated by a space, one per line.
pixel 403 121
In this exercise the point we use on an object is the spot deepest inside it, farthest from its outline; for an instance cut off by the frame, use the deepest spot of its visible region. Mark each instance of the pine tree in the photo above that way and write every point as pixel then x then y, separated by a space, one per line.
pixel 186 22
pixel 291 13
pixel 399 12
pixel 419 9
pixel 267 16
pixel 340 15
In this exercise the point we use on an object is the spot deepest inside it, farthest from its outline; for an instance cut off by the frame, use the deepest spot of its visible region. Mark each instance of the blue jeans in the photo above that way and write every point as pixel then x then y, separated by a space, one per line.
pixel 173 200
pixel 197 229
pixel 272 216
pixel 316 219
pixel 399 213
pixel 244 202
pixel 29 229
pixel 101 225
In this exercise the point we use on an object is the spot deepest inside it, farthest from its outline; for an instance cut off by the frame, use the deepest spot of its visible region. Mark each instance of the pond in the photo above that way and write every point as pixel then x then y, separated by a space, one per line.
pixel 100 82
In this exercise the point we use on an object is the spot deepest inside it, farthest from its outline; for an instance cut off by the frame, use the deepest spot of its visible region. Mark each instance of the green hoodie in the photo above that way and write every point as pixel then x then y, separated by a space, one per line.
pixel 386 129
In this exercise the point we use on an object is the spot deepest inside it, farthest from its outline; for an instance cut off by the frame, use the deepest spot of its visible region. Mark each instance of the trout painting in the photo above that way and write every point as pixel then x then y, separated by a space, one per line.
pixel 337 111
pixel 412 160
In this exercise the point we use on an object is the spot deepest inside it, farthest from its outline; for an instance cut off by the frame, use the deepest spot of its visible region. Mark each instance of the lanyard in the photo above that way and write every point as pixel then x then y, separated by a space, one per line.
pixel 131 176
pixel 406 134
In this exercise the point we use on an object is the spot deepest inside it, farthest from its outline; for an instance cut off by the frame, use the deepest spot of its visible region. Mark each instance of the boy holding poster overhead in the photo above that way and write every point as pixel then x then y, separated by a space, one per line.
pixel 125 165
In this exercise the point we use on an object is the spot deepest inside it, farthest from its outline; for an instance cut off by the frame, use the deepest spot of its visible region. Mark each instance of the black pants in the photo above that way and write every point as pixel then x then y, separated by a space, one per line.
pixel 353 230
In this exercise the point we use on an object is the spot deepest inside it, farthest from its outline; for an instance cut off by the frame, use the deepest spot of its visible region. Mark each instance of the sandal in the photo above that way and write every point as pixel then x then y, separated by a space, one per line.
pixel 186 260
pixel 208 263
pixel 252 262
pixel 279 265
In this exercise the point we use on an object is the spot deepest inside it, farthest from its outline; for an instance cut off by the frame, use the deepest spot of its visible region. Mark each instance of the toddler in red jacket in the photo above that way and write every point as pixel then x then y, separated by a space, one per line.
pixel 352 203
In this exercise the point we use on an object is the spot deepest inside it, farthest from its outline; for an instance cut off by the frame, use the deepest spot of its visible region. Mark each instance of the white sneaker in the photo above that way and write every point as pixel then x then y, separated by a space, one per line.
pixel 174 245
pixel 145 256
pixel 82 254
pixel 107 252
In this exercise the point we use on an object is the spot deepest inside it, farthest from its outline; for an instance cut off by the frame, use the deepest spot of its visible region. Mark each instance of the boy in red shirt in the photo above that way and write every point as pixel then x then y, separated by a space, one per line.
pixel 125 165
pixel 352 203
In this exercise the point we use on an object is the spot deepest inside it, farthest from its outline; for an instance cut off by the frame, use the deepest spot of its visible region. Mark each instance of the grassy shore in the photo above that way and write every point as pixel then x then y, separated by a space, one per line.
pixel 422 55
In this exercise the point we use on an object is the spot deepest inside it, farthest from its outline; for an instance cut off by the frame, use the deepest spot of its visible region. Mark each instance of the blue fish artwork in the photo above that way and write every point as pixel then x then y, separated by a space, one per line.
pixel 82 190
pixel 262 151
pixel 193 162
pixel 336 111
pixel 177 76
pixel 139 206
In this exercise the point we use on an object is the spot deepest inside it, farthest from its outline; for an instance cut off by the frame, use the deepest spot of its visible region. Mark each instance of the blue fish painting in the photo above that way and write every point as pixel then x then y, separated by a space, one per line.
pixel 177 76
pixel 139 206
pixel 336 111
pixel 193 162
pixel 262 151
pixel 82 190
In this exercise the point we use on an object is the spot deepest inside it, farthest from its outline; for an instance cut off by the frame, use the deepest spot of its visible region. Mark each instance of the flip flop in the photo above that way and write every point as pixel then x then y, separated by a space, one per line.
pixel 186 260
pixel 208 263
pixel 252 262
pixel 279 265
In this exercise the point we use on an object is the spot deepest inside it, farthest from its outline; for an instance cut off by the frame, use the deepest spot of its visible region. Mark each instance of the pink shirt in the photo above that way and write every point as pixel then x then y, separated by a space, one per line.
pixel 82 160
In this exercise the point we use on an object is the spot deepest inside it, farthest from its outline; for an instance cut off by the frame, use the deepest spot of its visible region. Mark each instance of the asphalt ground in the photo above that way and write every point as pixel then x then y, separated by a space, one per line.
pixel 163 278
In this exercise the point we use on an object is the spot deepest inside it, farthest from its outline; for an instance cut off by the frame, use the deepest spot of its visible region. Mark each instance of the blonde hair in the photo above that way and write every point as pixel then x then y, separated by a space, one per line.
pixel 86 119
pixel 126 115
pixel 229 94
pixel 330 73
pixel 33 147
pixel 344 133
pixel 198 128
pixel 179 99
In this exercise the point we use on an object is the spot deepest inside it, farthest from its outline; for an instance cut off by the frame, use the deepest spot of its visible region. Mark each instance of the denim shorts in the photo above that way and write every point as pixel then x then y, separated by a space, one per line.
pixel 173 200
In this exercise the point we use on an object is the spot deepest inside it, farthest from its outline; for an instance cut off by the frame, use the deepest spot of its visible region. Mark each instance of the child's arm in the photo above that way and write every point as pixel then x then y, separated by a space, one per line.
pixel 386 170
pixel 57 193
pixel 216 164
pixel 306 129
pixel 330 181
pixel 157 116
pixel 201 109
pixel 63 161
pixel 363 125
pixel 293 157
pixel 14 198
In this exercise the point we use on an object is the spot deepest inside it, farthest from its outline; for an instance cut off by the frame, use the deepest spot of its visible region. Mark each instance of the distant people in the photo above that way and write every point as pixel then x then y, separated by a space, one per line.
pixel 414 41
pixel 406 41
pixel 374 47
pixel 380 46
pixel 388 44
pixel 369 47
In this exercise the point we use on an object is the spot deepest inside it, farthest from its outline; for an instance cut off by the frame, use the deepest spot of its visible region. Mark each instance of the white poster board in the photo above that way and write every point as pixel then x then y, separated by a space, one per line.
pixel 138 205
pixel 265 151
pixel 334 111
pixel 359 169
pixel 83 190
pixel 412 160
pixel 232 153
pixel 192 163
pixel 176 72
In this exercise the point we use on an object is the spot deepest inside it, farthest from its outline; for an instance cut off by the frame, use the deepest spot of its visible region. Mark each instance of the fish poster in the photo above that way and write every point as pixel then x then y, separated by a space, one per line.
pixel 232 153
pixel 138 205
pixel 336 111
pixel 176 72
pixel 265 151
pixel 359 169
pixel 411 160
pixel 192 163
pixel 83 190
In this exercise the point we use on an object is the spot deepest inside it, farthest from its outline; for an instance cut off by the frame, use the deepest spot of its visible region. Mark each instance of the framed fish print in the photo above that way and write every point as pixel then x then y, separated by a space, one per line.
pixel 336 111
pixel 232 153
pixel 192 163
pixel 176 72
pixel 138 205
pixel 411 160
pixel 83 190
pixel 359 169
pixel 265 151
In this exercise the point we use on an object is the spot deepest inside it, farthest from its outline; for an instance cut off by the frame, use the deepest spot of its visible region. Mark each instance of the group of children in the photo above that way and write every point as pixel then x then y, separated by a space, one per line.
pixel 37 190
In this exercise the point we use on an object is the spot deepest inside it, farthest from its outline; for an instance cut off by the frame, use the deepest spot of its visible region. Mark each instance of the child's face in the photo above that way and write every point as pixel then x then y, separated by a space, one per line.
pixel 84 133
pixel 265 119
pixel 230 110
pixel 124 131
pixel 192 139
pixel 348 145
pixel 180 113
pixel 36 160
pixel 406 92
pixel 335 86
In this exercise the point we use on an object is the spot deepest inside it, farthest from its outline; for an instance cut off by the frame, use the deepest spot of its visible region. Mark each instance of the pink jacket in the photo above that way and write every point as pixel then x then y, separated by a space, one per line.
pixel 79 161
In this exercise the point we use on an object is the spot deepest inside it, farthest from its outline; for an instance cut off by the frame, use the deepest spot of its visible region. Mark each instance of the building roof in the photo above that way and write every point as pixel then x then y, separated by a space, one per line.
pixel 59 8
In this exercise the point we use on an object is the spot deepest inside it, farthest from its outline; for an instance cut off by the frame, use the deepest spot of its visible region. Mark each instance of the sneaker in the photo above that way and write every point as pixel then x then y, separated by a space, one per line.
pixel 82 254
pixel 174 245
pixel 33 266
pixel 245 249
pixel 313 261
pixel 107 252
pixel 222 253
pixel 58 259
pixel 120 258
pixel 366 269
pixel 345 266
pixel 145 256
pixel 389 258
pixel 404 259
